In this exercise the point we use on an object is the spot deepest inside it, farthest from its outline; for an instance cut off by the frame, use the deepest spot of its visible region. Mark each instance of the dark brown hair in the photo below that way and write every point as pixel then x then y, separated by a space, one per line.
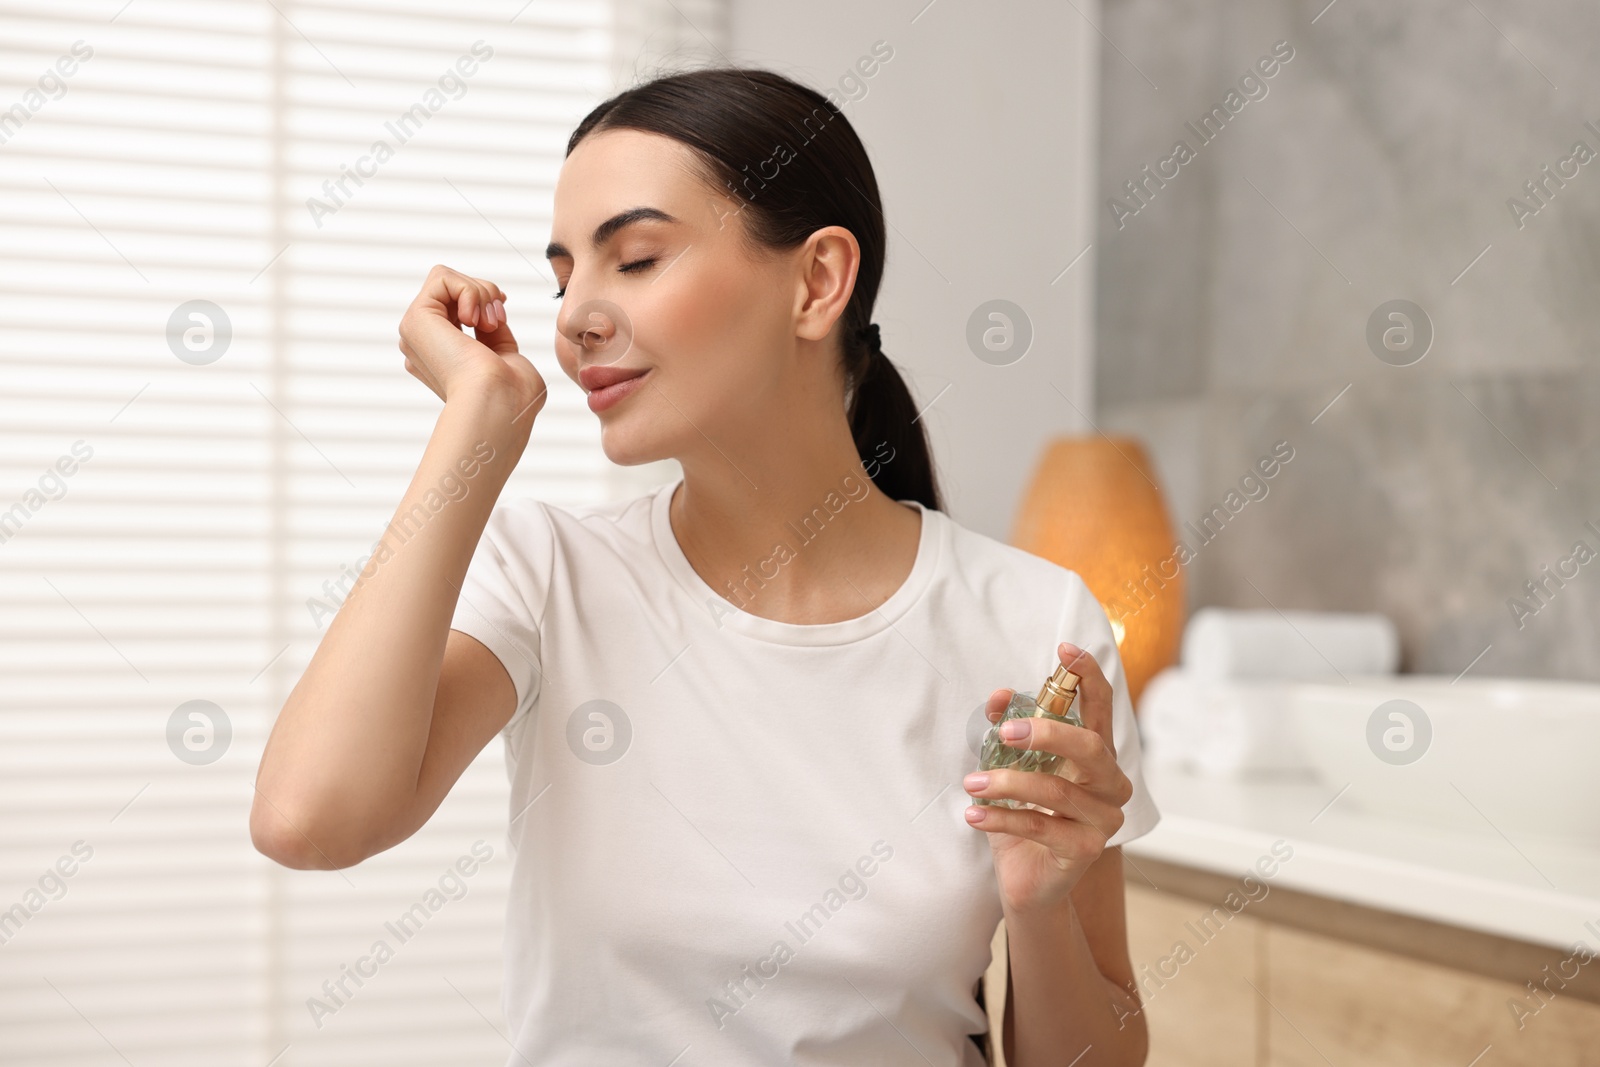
pixel 743 121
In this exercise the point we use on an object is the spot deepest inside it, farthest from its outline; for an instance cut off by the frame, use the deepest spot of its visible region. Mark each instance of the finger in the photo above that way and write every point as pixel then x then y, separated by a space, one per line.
pixel 1078 841
pixel 439 293
pixel 1086 758
pixel 472 305
pixel 1094 690
pixel 1067 799
pixel 997 703
pixel 498 338
pixel 489 304
pixel 463 299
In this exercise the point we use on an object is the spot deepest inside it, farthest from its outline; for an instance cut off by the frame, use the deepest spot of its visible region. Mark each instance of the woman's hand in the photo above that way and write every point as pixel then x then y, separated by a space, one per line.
pixel 441 356
pixel 1039 857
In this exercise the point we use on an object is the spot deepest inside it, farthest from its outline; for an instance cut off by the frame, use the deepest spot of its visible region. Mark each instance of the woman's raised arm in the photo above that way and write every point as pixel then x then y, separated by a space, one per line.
pixel 393 705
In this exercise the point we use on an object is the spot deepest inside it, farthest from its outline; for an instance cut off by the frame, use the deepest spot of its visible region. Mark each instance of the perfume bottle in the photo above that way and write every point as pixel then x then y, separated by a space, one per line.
pixel 1057 700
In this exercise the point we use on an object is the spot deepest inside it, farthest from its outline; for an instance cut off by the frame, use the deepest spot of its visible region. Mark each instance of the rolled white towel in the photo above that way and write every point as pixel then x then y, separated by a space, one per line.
pixel 1171 718
pixel 1219 728
pixel 1221 643
pixel 1248 731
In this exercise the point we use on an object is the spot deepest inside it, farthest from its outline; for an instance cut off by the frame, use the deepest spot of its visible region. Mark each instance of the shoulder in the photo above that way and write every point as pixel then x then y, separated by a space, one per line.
pixel 994 568
pixel 527 523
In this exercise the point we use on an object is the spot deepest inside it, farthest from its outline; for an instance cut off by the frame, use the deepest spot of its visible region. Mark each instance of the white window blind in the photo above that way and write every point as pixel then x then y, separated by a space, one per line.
pixel 171 517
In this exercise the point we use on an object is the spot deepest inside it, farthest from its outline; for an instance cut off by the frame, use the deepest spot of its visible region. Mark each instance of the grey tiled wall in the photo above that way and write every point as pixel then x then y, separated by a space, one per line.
pixel 1375 164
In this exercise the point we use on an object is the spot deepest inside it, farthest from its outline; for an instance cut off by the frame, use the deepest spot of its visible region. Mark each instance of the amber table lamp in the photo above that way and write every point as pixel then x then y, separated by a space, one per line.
pixel 1094 507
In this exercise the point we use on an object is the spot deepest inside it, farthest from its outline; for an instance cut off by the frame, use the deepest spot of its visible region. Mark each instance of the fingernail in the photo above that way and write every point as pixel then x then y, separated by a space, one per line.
pixel 975 814
pixel 976 781
pixel 500 310
pixel 1012 729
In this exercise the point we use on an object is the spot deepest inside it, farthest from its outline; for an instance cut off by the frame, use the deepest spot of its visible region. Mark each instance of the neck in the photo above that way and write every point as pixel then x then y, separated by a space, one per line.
pixel 795 533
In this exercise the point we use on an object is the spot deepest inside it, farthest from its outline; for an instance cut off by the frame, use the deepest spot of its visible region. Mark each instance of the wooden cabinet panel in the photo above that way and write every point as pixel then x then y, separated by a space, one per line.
pixel 1194 969
pixel 1326 1002
pixel 1332 1002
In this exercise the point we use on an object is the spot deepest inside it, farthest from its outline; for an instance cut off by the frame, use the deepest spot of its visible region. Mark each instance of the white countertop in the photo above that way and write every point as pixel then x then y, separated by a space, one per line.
pixel 1541 891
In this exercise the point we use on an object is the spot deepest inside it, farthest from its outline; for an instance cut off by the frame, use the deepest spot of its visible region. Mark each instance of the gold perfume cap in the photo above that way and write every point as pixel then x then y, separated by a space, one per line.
pixel 1059 691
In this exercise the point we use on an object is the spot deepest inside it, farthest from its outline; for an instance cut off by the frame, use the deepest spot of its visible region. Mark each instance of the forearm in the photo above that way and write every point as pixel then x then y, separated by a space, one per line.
pixel 1061 1006
pixel 347 747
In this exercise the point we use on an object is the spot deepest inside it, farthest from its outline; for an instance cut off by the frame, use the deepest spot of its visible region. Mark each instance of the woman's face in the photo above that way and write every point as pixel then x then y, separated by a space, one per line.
pixel 674 293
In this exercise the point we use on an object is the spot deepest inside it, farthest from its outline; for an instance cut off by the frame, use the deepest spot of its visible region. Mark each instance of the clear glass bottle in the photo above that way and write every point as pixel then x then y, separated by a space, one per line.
pixel 1058 700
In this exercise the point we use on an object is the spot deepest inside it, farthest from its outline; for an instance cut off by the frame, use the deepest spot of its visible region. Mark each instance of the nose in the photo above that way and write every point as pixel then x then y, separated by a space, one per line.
pixel 599 332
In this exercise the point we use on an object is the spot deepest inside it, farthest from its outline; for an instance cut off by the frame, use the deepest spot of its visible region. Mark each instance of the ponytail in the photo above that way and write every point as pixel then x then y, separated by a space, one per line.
pixel 883 421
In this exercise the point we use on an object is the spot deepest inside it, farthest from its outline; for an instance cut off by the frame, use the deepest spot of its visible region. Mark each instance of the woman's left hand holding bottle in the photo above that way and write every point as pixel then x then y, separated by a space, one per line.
pixel 1039 856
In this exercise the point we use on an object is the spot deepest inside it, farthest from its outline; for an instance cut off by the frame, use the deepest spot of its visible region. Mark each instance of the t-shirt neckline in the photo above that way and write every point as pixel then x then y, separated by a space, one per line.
pixel 723 612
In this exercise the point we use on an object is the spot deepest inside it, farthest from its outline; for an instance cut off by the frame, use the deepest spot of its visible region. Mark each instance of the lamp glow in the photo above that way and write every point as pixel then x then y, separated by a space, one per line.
pixel 1094 507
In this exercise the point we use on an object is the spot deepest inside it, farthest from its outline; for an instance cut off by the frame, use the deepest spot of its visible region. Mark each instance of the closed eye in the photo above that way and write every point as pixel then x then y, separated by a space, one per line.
pixel 626 268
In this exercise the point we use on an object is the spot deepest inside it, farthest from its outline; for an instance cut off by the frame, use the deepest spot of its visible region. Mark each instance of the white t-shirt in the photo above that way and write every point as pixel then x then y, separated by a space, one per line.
pixel 737 840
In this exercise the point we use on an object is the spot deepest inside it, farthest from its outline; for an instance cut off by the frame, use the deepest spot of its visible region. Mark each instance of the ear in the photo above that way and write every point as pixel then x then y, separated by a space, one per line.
pixel 828 263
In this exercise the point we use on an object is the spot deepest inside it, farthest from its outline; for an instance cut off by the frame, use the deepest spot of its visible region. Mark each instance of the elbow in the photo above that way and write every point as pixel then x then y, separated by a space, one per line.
pixel 299 842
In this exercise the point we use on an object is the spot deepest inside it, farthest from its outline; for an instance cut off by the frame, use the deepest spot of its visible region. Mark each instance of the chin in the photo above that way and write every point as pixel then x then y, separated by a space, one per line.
pixel 628 442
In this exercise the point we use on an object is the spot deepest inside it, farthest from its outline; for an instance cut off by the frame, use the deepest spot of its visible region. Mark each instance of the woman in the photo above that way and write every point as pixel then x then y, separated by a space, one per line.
pixel 737 710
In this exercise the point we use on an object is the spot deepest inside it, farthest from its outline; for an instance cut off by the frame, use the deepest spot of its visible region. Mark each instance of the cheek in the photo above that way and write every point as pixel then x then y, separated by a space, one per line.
pixel 704 332
pixel 678 326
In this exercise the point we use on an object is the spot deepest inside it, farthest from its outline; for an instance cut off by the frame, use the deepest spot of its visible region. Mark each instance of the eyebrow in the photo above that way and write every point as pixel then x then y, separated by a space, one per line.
pixel 604 231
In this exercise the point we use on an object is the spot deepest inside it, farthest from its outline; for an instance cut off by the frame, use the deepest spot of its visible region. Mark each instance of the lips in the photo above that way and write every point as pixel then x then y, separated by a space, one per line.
pixel 594 378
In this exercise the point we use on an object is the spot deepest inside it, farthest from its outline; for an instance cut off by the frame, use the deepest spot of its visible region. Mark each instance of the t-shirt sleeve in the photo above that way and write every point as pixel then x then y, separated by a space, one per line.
pixel 503 595
pixel 1085 625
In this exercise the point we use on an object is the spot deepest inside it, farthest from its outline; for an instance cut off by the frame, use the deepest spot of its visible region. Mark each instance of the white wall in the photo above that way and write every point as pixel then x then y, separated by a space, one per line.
pixel 981 128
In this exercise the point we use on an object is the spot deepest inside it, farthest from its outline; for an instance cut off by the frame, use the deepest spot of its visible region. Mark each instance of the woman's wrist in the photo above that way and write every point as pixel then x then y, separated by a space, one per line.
pixel 496 413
